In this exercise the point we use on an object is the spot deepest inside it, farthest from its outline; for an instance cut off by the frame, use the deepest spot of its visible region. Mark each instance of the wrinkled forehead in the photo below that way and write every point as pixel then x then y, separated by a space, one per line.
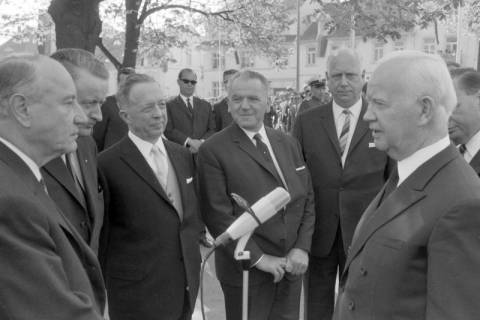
pixel 344 63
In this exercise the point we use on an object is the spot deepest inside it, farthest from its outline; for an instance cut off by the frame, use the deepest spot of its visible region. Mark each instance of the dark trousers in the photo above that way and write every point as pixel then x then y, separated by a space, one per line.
pixel 266 301
pixel 322 274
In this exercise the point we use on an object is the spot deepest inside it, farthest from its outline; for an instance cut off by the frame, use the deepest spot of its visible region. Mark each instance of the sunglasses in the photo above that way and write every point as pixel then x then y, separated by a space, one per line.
pixel 192 82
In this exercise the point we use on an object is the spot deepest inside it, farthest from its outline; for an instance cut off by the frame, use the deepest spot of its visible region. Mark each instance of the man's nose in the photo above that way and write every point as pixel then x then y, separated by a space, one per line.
pixel 368 116
pixel 96 113
pixel 80 116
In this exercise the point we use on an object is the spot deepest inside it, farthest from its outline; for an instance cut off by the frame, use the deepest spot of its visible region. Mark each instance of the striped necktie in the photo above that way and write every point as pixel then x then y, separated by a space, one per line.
pixel 189 105
pixel 161 166
pixel 343 139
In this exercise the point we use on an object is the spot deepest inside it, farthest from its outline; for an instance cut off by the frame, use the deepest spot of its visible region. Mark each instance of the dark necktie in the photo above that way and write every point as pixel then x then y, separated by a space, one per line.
pixel 390 185
pixel 262 147
pixel 189 105
pixel 462 148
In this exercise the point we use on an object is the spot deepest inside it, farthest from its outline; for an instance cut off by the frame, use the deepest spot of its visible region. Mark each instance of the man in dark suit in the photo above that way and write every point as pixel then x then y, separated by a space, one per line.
pixel 248 159
pixel 347 172
pixel 415 253
pixel 223 118
pixel 190 119
pixel 319 96
pixel 72 180
pixel 152 257
pixel 464 124
pixel 47 271
pixel 111 128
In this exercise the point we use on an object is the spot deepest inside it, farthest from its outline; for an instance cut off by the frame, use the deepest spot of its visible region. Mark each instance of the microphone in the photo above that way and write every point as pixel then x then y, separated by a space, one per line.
pixel 261 211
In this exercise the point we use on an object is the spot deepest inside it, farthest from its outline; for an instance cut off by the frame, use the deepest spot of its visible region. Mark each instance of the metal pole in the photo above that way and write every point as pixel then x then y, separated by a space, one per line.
pixel 297 82
pixel 459 34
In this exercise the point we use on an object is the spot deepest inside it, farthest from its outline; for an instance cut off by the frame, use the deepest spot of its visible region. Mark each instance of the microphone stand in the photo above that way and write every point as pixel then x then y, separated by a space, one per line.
pixel 244 257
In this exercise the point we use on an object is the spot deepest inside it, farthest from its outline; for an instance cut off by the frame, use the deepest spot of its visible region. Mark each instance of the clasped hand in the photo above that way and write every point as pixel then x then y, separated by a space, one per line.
pixel 295 263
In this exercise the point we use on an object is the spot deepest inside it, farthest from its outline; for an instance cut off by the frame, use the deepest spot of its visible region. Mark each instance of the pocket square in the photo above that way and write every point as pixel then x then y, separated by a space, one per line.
pixel 300 168
pixel 189 180
pixel 371 144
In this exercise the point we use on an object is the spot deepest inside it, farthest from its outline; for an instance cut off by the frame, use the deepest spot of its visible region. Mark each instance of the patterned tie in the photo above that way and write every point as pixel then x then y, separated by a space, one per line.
pixel 343 139
pixel 462 148
pixel 161 165
pixel 189 105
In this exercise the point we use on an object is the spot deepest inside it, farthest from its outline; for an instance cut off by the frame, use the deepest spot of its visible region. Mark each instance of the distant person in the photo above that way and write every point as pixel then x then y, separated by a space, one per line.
pixel 464 124
pixel 347 172
pixel 47 271
pixel 152 257
pixel 112 128
pixel 223 118
pixel 317 95
pixel 251 160
pixel 72 179
pixel 416 252
pixel 190 119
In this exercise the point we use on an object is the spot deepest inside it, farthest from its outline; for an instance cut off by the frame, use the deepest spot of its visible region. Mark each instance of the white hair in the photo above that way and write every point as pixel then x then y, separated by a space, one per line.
pixel 343 51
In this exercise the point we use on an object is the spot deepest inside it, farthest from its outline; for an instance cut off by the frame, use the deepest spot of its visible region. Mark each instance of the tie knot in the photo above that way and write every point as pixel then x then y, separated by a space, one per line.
pixel 156 150
pixel 462 148
pixel 346 112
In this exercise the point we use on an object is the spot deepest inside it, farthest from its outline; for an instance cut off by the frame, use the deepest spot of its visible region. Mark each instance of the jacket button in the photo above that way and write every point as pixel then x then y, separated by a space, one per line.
pixel 83 224
pixel 351 305
pixel 187 288
pixel 363 271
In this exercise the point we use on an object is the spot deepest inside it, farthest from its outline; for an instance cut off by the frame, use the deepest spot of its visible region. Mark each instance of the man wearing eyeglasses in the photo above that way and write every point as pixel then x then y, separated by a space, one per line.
pixel 72 179
pixel 190 119
pixel 223 118
pixel 347 172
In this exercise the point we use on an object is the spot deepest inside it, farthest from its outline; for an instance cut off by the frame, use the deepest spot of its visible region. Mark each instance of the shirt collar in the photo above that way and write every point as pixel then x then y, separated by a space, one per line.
pixel 408 165
pixel 473 145
pixel 145 147
pixel 28 161
pixel 250 134
pixel 185 99
pixel 355 109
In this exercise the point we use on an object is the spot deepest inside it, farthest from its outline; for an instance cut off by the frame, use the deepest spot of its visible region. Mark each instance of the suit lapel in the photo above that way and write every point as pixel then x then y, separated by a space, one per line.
pixel 407 194
pixel 135 160
pixel 59 171
pixel 280 154
pixel 328 122
pixel 176 161
pixel 360 130
pixel 475 163
pixel 183 106
pixel 247 146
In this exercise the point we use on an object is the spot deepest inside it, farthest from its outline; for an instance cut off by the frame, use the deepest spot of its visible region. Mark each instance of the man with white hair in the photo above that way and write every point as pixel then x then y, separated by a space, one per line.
pixel 416 252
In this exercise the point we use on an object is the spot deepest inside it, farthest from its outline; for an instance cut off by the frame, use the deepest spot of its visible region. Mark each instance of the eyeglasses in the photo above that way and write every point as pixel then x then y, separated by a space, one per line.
pixel 317 85
pixel 186 81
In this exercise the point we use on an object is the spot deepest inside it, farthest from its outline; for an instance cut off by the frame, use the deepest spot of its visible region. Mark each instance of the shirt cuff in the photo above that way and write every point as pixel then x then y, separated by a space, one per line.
pixel 256 262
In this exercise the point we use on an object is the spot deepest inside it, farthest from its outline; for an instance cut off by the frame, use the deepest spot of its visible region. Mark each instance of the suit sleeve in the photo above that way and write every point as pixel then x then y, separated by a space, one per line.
pixel 171 132
pixel 211 122
pixel 453 265
pixel 33 283
pixel 218 117
pixel 216 205
pixel 307 226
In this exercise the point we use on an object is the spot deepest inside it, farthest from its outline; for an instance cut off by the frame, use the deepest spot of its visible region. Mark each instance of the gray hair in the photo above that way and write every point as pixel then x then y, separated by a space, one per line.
pixel 19 74
pixel 74 59
pixel 123 93
pixel 343 51
pixel 248 75
pixel 427 75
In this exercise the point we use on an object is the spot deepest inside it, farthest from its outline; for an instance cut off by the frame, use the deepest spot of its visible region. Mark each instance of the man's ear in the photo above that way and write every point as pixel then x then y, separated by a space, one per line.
pixel 124 115
pixel 20 109
pixel 426 109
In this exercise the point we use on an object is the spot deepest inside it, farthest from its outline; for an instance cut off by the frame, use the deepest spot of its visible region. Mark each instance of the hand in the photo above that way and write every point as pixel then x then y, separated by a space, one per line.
pixel 194 145
pixel 297 261
pixel 273 265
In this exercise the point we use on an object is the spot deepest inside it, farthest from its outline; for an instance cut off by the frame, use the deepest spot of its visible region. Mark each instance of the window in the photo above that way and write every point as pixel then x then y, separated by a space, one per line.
pixel 215 89
pixel 218 61
pixel 311 55
pixel 246 59
pixel 378 51
pixel 398 46
pixel 451 46
pixel 429 45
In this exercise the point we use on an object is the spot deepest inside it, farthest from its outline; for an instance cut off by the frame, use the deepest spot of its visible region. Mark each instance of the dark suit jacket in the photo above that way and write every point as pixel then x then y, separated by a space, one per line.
pixel 47 271
pixel 183 124
pixel 112 128
pixel 223 118
pixel 61 187
pixel 418 255
pixel 152 257
pixel 341 194
pixel 229 162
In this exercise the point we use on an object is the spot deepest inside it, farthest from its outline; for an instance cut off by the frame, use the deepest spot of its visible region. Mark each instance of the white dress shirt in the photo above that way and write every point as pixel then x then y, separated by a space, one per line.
pixel 28 161
pixel 145 148
pixel 408 165
pixel 339 118
pixel 473 146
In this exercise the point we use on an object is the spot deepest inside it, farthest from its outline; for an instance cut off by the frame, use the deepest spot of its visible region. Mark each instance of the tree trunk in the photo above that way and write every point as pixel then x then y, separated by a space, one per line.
pixel 77 23
pixel 132 33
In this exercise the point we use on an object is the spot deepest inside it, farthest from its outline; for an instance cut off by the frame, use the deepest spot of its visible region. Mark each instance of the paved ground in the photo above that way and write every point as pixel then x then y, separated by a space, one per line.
pixel 214 307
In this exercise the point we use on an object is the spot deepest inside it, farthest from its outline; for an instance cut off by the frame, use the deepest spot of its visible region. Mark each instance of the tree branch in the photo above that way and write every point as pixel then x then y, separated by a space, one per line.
pixel 224 14
pixel 107 53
